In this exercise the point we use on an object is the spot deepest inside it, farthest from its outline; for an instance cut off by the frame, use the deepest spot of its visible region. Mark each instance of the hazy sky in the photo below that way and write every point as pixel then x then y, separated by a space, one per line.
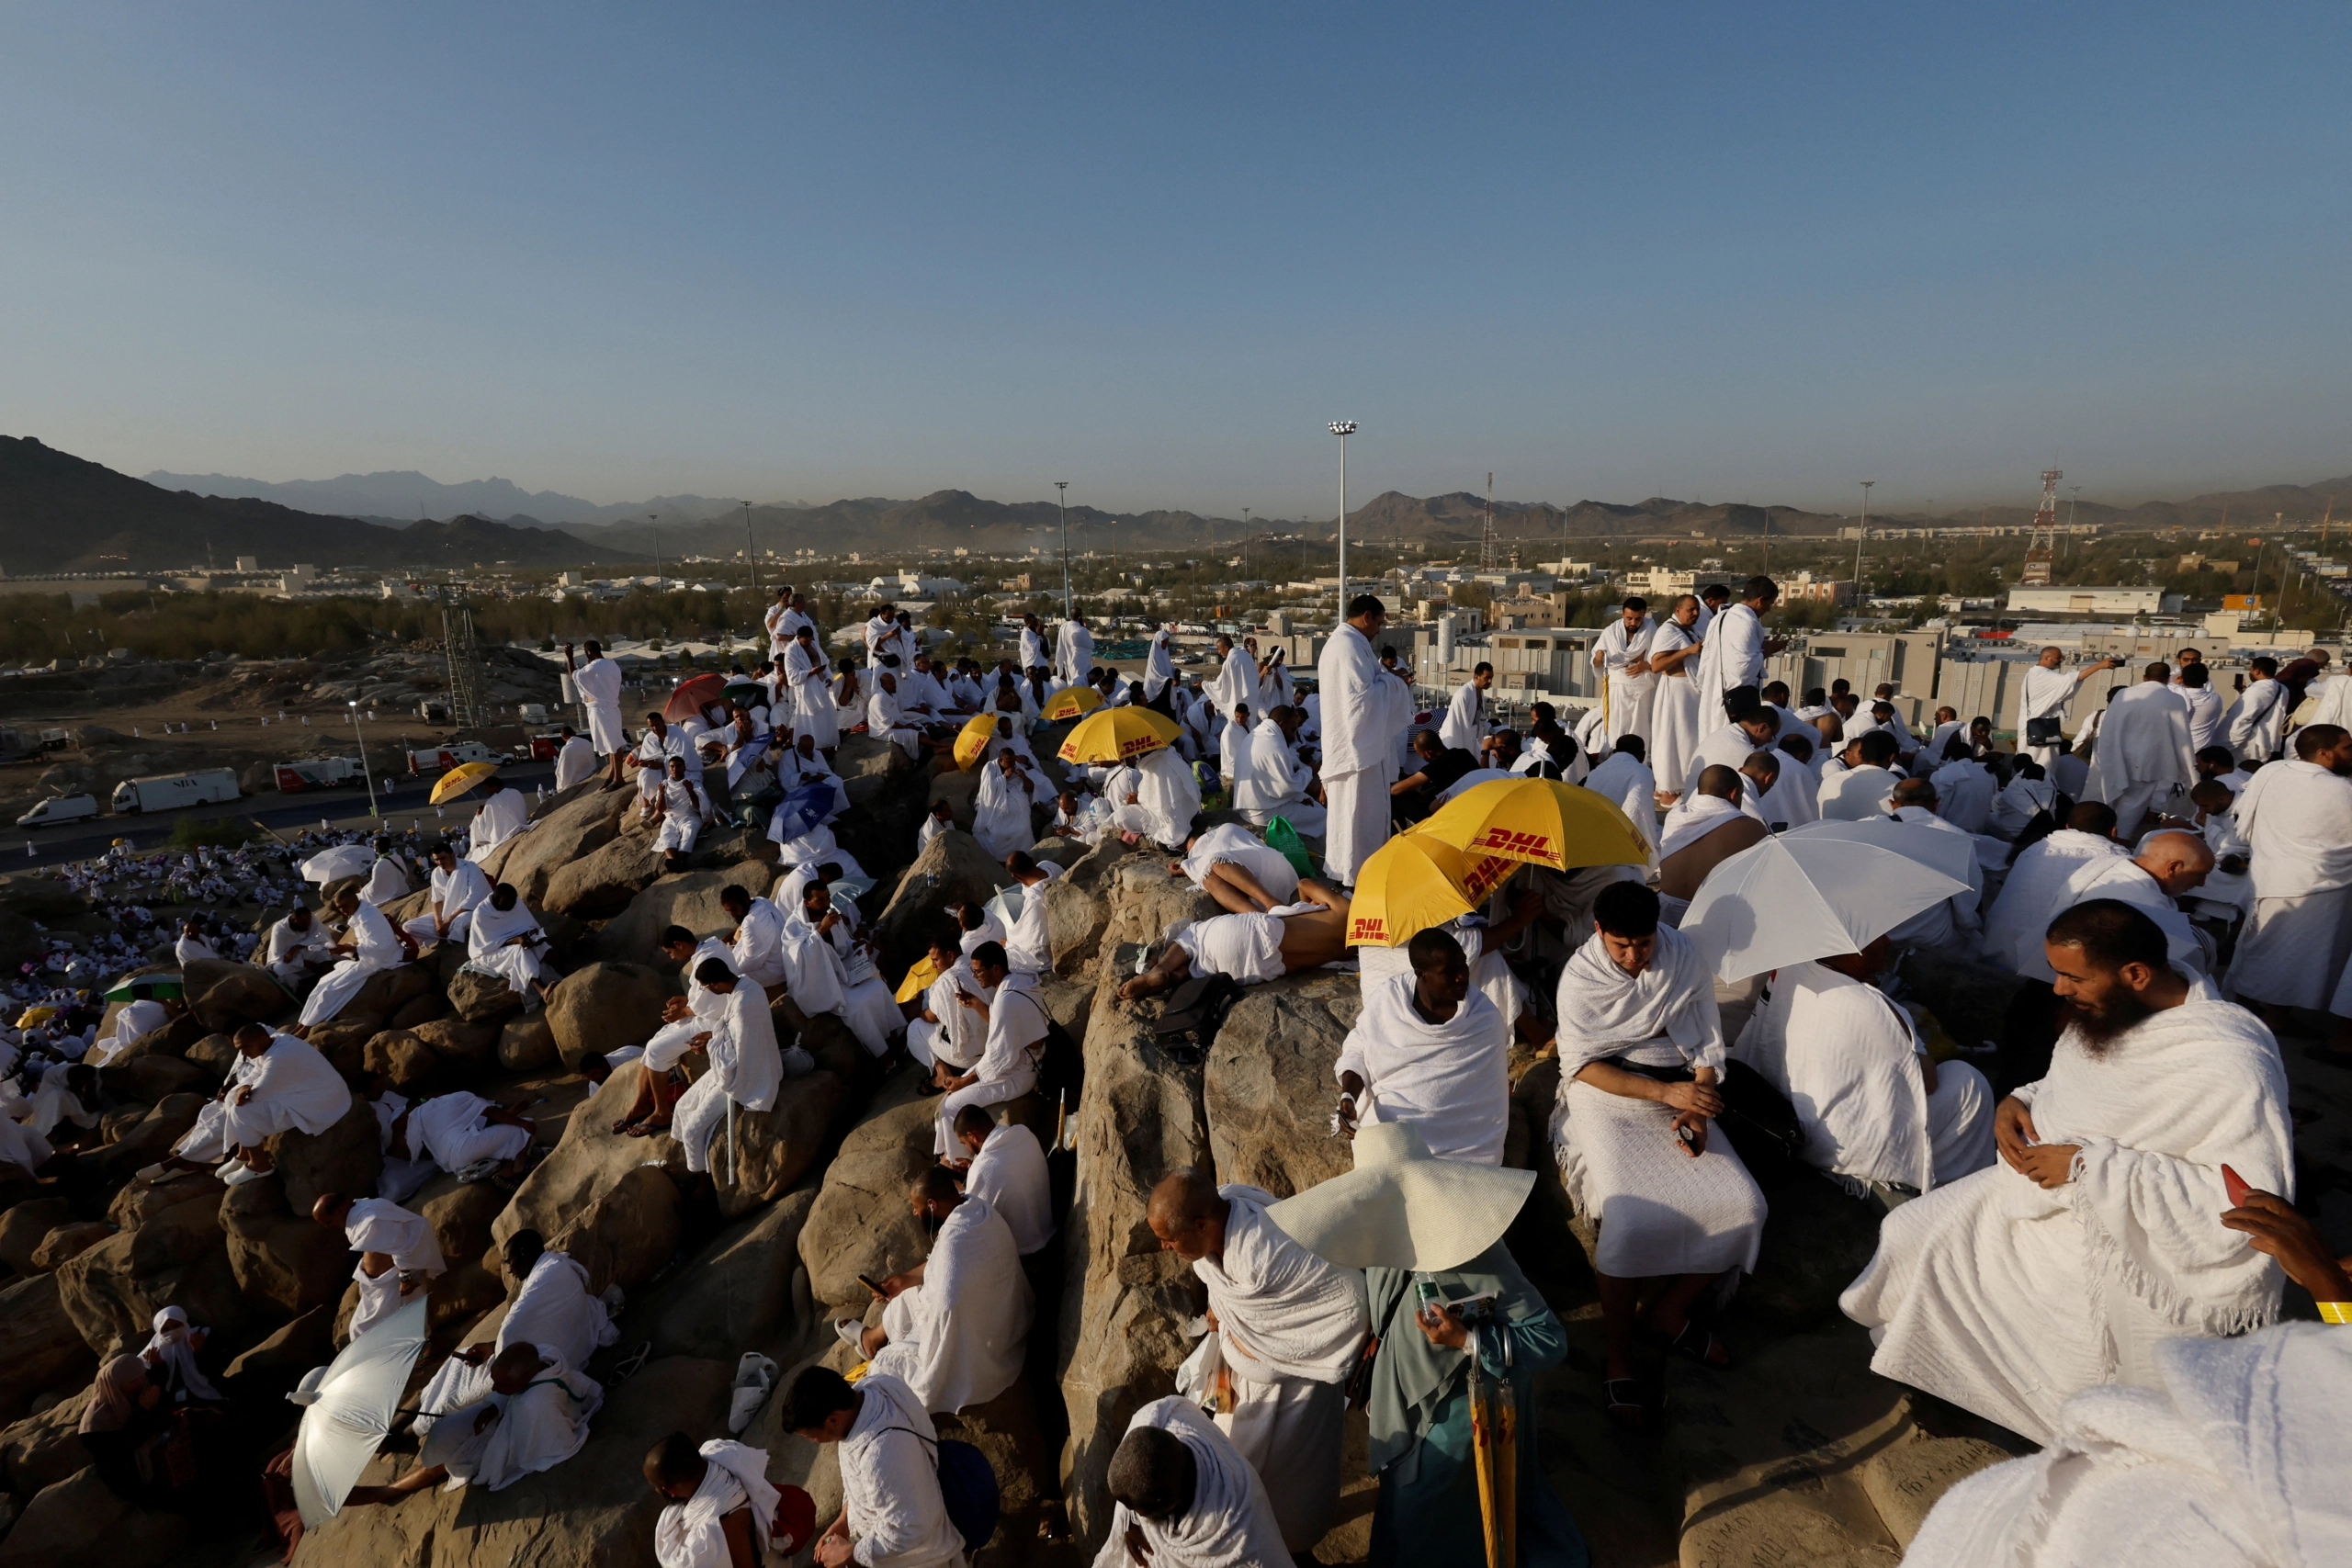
pixel 793 253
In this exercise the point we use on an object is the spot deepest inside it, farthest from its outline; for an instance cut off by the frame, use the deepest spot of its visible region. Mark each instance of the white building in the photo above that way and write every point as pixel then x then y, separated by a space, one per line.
pixel 2091 600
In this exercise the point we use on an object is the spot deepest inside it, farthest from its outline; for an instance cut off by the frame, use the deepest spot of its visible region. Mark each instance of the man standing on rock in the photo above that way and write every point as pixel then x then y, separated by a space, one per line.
pixel 1365 709
pixel 598 681
pixel 399 1254
pixel 1291 1328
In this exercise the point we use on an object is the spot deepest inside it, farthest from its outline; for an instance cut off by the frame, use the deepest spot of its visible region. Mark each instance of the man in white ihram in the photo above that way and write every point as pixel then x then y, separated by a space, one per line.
pixel 1365 710
pixel 598 681
pixel 2167 866
pixel 954 1327
pixel 1429 1048
pixel 1185 1497
pixel 2296 816
pixel 2144 764
pixel 2048 688
pixel 399 1254
pixel 277 1084
pixel 1291 1328
pixel 1272 781
pixel 2098 1236
pixel 457 885
pixel 1074 653
pixel 502 814
pixel 369 943
pixel 1465 724
pixel 1737 646
pixel 1618 653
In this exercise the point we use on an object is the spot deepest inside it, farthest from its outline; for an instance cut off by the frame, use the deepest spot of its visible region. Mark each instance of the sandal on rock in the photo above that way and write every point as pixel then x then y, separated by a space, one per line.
pixel 1705 1348
pixel 628 1365
pixel 1621 1398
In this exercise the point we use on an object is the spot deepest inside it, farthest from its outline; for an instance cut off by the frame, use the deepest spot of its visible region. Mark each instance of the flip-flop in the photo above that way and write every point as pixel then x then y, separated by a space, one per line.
pixel 1618 1403
pixel 1702 1349
pixel 628 1365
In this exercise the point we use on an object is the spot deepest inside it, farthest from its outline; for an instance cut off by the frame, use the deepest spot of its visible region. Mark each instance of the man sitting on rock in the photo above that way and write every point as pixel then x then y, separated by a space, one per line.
pixel 1429 1050
pixel 1004 1166
pixel 1705 829
pixel 720 1508
pixel 745 1065
pixel 370 943
pixel 1015 1021
pixel 1187 1497
pixel 866 1003
pixel 505 940
pixel 462 1132
pixel 955 1326
pixel 1291 1328
pixel 1874 1108
pixel 756 944
pixel 296 951
pixel 502 814
pixel 892 1515
pixel 145 1012
pixel 534 1418
pixel 1027 947
pixel 1254 947
pixel 399 1254
pixel 1272 781
pixel 457 886
pixel 943 1035
pixel 550 1306
pixel 278 1084
pixel 683 1020
pixel 1244 874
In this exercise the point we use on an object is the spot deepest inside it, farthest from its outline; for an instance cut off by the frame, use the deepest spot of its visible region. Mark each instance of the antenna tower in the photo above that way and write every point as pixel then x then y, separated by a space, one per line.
pixel 468 708
pixel 2043 545
pixel 1487 535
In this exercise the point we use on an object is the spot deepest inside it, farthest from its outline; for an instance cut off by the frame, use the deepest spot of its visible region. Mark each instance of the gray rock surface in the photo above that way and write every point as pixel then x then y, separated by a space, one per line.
pixel 1268 1087
pixel 605 1006
pixel 81 1522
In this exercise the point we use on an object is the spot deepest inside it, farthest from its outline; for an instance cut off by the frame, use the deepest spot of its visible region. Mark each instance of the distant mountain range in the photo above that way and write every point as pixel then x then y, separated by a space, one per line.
pixel 59 513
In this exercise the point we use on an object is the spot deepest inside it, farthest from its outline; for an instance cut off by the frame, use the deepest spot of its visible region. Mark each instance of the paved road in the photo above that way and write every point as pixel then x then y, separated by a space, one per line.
pixel 401 803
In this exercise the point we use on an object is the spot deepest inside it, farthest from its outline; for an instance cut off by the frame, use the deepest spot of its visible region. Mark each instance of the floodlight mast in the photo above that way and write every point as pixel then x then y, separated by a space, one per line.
pixel 1344 428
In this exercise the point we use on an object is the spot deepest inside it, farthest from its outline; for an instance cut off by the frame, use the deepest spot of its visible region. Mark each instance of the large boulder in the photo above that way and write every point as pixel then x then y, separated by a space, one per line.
pixel 388 990
pixel 150 1135
pixel 953 869
pixel 741 1293
pixel 581 820
pixel 774 1147
pixel 113 1291
pixel 68 1242
pixel 137 1202
pixel 81 1522
pixel 44 1447
pixel 348 1157
pixel 593 1509
pixel 41 1344
pixel 148 1078
pixel 460 1213
pixel 595 1197
pixel 688 898
pixel 216 1054
pixel 25 1226
pixel 284 1262
pixel 860 1224
pixel 402 1059
pixel 171 1038
pixel 601 883
pixel 1078 902
pixel 526 1044
pixel 605 1006
pixel 1267 1088
pixel 225 996
pixel 465 1048
pixel 1125 1307
pixel 477 998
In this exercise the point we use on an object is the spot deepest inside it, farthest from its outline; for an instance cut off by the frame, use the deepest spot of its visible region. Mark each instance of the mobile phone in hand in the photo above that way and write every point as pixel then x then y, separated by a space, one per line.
pixel 872 1284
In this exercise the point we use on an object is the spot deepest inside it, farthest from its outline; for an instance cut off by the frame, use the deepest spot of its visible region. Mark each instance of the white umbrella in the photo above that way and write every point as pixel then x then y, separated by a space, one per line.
pixel 349 1407
pixel 1955 854
pixel 1794 898
pixel 344 860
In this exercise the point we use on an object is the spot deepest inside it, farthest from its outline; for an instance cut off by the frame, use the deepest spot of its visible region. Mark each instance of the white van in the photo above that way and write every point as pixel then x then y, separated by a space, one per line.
pixel 60 809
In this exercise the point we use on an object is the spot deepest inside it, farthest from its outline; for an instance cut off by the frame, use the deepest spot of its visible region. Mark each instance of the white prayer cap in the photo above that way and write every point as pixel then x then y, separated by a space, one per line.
pixel 1401 1207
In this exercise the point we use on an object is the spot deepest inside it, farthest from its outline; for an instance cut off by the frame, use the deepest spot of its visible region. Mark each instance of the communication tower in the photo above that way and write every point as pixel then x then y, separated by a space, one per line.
pixel 1486 533
pixel 468 707
pixel 2043 545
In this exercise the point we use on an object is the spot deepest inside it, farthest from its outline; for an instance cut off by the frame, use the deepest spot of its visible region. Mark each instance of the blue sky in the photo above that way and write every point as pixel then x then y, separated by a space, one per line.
pixel 1725 251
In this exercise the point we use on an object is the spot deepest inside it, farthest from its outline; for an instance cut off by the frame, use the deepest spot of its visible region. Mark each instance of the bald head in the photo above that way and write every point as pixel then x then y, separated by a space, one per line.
pixel 1719 780
pixel 1153 1473
pixel 1763 769
pixel 1187 1214
pixel 2179 861
pixel 1915 792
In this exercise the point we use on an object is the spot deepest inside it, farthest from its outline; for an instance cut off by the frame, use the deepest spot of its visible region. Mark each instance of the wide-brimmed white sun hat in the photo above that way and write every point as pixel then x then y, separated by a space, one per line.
pixel 1402 1207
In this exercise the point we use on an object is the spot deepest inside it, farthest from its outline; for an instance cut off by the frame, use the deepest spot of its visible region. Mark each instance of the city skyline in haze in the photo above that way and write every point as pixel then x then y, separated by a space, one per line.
pixel 1699 252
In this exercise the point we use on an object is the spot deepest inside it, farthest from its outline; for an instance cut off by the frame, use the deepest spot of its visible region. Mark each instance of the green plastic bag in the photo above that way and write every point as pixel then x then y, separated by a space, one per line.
pixel 1280 835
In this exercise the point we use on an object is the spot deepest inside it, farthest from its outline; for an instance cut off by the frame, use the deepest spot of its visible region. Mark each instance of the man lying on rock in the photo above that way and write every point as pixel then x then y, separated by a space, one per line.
pixel 459 1133
pixel 1244 874
pixel 1253 947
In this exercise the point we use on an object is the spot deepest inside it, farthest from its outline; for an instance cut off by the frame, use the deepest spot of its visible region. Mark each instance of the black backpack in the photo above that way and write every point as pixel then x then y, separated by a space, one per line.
pixel 968 1487
pixel 1195 1010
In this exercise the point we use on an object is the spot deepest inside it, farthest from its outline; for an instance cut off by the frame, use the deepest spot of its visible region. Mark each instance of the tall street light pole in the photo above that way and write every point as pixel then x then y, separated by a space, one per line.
pixel 361 736
pixel 751 557
pixel 653 521
pixel 1062 500
pixel 1862 533
pixel 1344 428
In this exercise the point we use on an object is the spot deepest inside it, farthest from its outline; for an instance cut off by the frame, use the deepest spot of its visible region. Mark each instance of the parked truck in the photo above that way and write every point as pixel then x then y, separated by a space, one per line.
pixel 439 759
pixel 60 809
pixel 176 791
pixel 317 773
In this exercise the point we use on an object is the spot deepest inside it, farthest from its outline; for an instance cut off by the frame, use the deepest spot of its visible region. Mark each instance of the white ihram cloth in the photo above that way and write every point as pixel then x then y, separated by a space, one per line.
pixel 1490 972
pixel 1168 797
pixel 387 880
pixel 1630 785
pixel 1010 1172
pixel 20 1144
pixel 2255 727
pixel 376 946
pixel 1365 709
pixel 2015 925
pixel 598 681
pixel 497 819
pixel 889 1464
pixel 1233 1522
pixel 455 893
pixel 953 1034
pixel 487 951
pixel 1857 793
pixel 2145 761
pixel 138 1017
pixel 2020 801
pixel 1451 1080
pixel 1028 943
pixel 1693 818
pixel 814 712
pixel 886 719
pixel 745 1066
pixel 757 953
pixel 2125 881
pixel 1235 845
pixel 208 1140
pixel 1727 745
pixel 1008 1065
pixel 378 1224
pixel 2233 1458
pixel 1073 654
pixel 1628 695
pixel 1659 1211
pixel 287 953
pixel 1464 724
pixel 1236 682
pixel 1273 782
pixel 1000 819
pixel 454 1131
pixel 168 1342
pixel 193 948
pixel 2297 819
pixel 1159 669
pixel 2046 694
pixel 1678 716
pixel 576 762
pixel 1850 1064
pixel 293 1088
pixel 2007 1299
pixel 554 1308
pixel 692 1534
pixel 1248 948
pixel 1734 654
pixel 537 1429
pixel 1964 791
pixel 957 1339
pixel 2204 705
pixel 1953 925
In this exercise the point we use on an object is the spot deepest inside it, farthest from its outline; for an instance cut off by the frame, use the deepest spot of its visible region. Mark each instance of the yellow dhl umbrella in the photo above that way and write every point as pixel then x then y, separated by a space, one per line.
pixel 973 738
pixel 1414 882
pixel 1115 735
pixel 1541 821
pixel 920 974
pixel 1071 700
pixel 461 778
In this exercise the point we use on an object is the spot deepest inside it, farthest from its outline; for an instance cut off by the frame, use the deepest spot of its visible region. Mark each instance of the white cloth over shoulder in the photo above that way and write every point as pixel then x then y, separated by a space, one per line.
pixel 1231 1522
pixel 1284 1313
pixel 889 1464
pixel 1451 1080
pixel 1010 1173
pixel 554 1308
pixel 691 1534
pixel 2145 761
pixel 959 1338
pixel 2013 926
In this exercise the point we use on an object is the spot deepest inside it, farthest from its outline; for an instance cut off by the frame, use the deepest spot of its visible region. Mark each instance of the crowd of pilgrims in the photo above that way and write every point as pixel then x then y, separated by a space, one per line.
pixel 2061 1249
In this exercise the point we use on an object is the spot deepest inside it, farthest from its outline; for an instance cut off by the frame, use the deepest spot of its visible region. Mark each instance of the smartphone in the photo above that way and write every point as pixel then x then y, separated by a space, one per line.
pixel 872 1284
pixel 2236 1185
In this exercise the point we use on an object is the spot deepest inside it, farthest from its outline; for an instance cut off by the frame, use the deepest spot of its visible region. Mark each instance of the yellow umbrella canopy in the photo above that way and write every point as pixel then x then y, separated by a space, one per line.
pixel 461 778
pixel 1115 735
pixel 1541 821
pixel 1071 700
pixel 973 738
pixel 1414 882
